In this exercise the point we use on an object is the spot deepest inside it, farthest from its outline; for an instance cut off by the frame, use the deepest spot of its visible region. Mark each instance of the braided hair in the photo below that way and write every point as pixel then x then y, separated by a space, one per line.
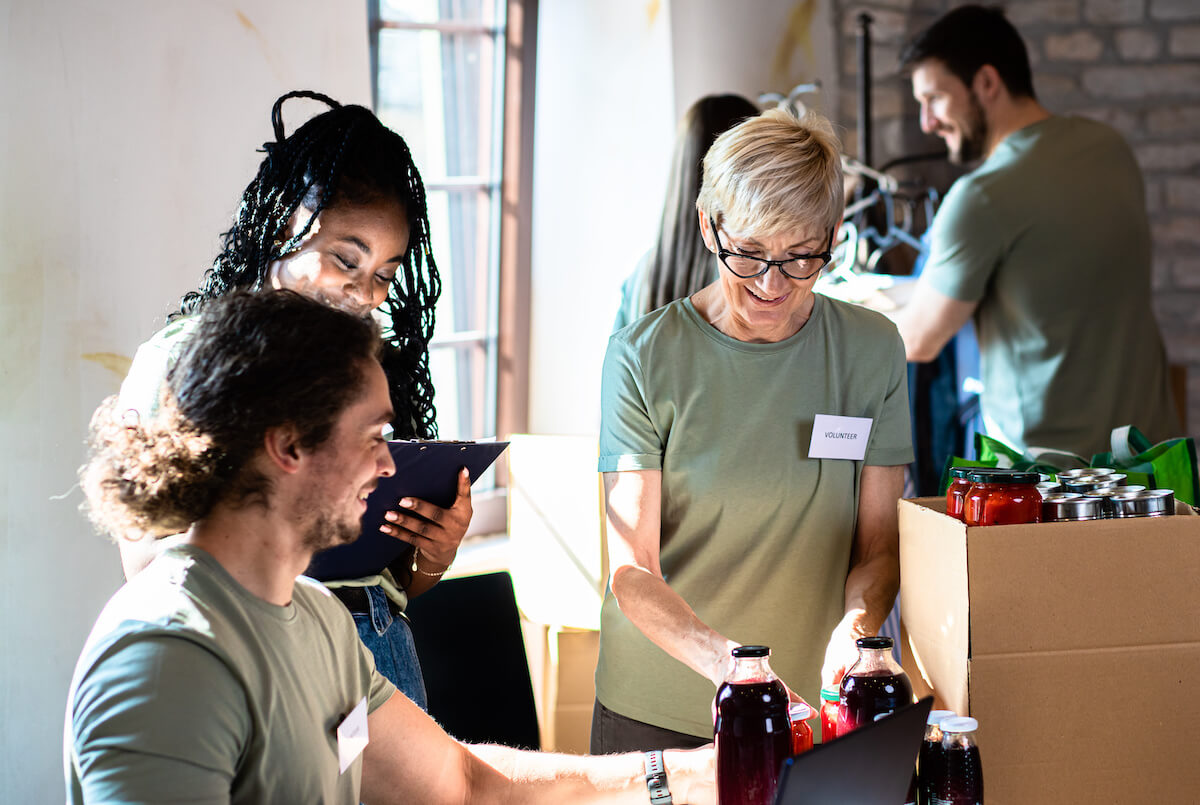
pixel 343 155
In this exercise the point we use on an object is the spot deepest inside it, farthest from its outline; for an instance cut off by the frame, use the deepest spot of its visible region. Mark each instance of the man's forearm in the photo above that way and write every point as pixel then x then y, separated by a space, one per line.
pixel 543 777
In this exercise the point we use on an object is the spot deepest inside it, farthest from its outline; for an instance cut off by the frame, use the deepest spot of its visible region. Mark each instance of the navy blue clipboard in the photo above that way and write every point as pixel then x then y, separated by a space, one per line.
pixel 426 470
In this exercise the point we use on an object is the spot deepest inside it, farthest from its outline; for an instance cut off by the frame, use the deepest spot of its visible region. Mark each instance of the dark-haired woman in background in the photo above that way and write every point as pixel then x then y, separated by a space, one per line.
pixel 680 264
pixel 337 212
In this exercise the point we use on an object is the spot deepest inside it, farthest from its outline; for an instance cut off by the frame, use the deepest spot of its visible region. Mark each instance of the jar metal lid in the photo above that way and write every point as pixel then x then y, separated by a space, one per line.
pixel 874 642
pixel 938 716
pixel 998 476
pixel 799 711
pixel 961 472
pixel 1148 503
pixel 830 694
pixel 1070 506
pixel 751 651
pixel 959 725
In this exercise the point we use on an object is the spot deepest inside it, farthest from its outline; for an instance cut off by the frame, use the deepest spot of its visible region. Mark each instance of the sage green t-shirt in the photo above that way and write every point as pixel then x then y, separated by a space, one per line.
pixel 191 689
pixel 755 535
pixel 1050 237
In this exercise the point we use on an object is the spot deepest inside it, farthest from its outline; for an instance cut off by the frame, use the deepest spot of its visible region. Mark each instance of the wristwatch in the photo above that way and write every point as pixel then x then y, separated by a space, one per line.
pixel 656 779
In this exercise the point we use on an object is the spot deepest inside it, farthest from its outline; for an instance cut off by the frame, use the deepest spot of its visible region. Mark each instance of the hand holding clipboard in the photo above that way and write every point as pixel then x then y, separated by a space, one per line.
pixel 425 471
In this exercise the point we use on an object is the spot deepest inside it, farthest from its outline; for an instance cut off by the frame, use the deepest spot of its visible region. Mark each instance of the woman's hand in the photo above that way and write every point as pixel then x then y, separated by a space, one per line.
pixel 842 651
pixel 434 531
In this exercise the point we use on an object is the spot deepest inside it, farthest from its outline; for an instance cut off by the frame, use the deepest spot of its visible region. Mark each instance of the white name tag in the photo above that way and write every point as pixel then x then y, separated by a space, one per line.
pixel 352 736
pixel 840 437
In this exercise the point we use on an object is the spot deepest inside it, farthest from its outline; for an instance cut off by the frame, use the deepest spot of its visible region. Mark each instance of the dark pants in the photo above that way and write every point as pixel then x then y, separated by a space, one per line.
pixel 613 732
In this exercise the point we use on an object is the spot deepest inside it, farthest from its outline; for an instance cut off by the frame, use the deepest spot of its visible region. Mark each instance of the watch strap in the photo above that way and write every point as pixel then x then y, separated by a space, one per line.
pixel 656 778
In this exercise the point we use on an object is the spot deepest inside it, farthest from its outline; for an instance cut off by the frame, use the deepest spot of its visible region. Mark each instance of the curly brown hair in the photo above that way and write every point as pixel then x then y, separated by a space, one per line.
pixel 256 361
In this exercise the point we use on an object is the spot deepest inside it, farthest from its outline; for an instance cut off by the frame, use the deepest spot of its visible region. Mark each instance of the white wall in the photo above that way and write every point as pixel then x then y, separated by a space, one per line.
pixel 612 80
pixel 129 129
pixel 604 122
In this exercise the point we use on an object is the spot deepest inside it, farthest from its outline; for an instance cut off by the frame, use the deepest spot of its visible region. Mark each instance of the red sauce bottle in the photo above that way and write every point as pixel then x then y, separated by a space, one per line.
pixel 829 713
pixel 957 491
pixel 802 734
pixel 1002 497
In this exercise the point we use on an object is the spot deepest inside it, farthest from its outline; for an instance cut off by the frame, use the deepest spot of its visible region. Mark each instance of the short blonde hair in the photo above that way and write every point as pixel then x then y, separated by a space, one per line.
pixel 774 173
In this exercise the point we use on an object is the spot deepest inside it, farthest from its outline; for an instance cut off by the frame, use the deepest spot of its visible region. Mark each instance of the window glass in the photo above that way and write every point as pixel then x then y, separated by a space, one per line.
pixel 439 85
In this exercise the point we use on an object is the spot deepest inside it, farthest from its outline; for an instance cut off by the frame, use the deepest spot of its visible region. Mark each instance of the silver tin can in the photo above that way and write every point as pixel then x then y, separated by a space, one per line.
pixel 1148 503
pixel 1070 506
pixel 1085 485
pixel 1050 488
pixel 1083 472
pixel 1106 494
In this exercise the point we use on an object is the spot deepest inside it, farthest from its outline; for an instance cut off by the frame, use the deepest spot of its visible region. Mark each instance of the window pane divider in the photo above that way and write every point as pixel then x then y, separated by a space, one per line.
pixel 466 338
pixel 457 183
pixel 442 26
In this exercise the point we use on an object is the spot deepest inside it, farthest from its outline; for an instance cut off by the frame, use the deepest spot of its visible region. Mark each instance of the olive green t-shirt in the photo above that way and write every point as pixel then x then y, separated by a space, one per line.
pixel 756 536
pixel 191 689
pixel 1050 237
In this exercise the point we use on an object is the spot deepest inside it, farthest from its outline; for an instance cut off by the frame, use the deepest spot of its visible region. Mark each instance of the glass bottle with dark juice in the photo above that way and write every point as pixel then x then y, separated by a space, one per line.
pixel 874 687
pixel 929 761
pixel 752 731
pixel 961 778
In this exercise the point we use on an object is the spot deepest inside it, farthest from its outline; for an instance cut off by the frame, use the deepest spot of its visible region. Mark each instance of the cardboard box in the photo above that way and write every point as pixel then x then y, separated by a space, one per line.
pixel 1075 645
pixel 559 569
pixel 562 665
pixel 556 529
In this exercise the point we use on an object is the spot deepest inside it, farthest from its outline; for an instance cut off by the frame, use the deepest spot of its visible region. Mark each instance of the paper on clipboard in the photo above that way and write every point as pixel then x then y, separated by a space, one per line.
pixel 426 470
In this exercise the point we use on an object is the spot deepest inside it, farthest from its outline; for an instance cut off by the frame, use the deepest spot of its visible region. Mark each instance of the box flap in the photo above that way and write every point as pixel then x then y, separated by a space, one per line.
pixel 933 601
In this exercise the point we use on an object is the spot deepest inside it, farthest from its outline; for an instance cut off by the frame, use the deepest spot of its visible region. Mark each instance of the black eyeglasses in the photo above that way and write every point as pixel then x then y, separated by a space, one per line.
pixel 747 267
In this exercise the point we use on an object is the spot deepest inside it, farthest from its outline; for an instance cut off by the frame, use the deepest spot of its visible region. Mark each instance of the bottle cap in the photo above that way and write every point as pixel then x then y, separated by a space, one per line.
pixel 751 651
pixel 874 642
pixel 1002 476
pixel 937 716
pixel 799 711
pixel 959 725
pixel 830 694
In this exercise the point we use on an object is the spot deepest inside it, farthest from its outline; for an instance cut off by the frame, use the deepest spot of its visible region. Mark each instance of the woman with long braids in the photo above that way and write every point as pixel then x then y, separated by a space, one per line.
pixel 337 212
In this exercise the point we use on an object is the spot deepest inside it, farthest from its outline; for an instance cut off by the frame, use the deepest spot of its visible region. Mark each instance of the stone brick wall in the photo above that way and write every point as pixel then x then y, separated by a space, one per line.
pixel 1134 64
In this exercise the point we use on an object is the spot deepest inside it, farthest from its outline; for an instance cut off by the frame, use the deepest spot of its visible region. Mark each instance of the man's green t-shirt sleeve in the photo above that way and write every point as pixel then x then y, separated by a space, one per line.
pixel 628 438
pixel 964 246
pixel 158 719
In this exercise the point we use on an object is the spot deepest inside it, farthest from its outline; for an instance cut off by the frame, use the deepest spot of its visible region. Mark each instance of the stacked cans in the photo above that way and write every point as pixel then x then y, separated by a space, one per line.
pixel 1098 492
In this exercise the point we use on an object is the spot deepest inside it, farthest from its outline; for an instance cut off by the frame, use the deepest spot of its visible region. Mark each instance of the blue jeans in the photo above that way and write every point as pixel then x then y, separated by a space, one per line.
pixel 391 642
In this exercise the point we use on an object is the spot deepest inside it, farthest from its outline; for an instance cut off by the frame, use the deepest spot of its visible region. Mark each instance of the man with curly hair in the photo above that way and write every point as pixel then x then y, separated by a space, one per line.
pixel 217 675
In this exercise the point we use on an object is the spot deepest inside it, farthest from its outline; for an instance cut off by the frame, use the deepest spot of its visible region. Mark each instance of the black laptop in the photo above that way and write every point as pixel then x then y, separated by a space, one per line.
pixel 871 766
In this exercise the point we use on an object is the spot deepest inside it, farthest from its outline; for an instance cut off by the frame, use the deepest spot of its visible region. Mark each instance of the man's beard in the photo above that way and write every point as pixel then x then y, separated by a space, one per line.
pixel 973 134
pixel 326 532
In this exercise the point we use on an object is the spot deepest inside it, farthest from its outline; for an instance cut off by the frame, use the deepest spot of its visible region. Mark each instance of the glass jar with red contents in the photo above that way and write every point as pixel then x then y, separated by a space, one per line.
pixel 802 734
pixel 829 713
pixel 956 492
pixel 1002 497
